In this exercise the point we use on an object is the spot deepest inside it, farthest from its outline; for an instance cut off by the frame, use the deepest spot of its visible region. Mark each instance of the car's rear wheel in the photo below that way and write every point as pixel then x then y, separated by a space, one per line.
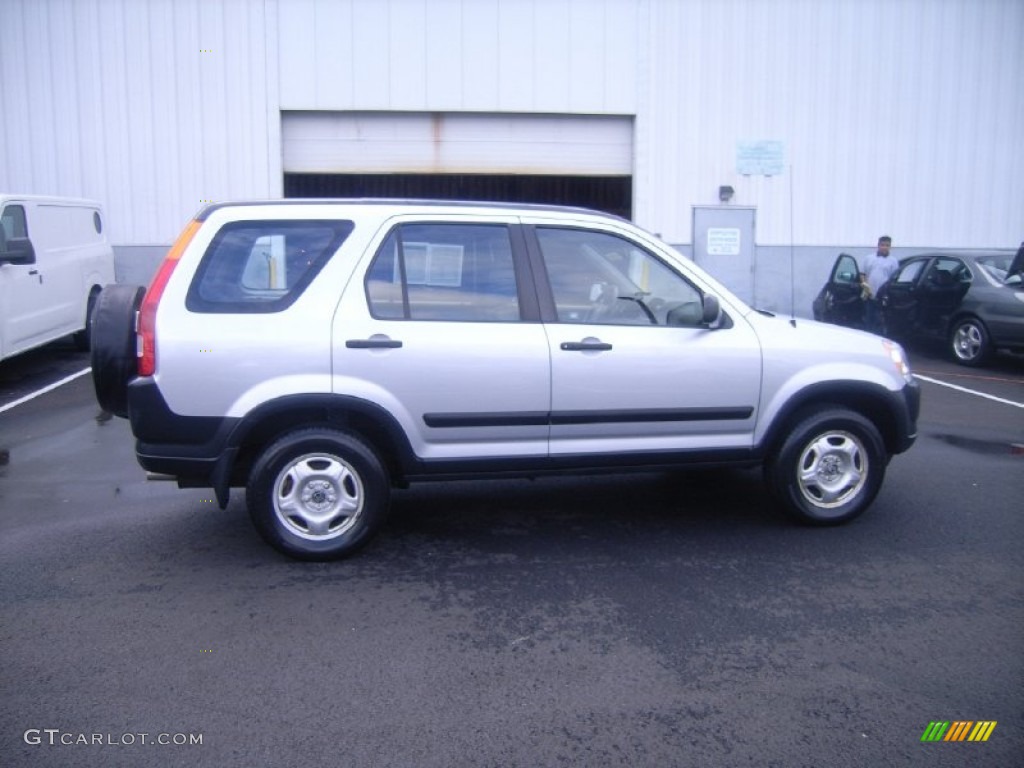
pixel 113 345
pixel 969 342
pixel 318 494
pixel 829 468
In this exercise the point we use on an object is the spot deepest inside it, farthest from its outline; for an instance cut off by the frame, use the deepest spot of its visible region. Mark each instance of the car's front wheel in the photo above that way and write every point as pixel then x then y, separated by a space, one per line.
pixel 969 342
pixel 318 494
pixel 829 468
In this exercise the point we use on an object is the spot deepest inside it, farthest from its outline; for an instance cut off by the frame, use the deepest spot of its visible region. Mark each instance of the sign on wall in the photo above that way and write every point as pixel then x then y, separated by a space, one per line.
pixel 723 241
pixel 759 158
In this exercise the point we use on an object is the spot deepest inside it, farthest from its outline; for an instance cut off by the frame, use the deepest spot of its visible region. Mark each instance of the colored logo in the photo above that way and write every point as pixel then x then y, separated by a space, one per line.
pixel 958 730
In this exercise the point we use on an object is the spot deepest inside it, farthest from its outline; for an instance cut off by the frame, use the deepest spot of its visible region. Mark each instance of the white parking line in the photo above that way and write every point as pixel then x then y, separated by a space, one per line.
pixel 44 390
pixel 1002 400
pixel 83 372
pixel 974 376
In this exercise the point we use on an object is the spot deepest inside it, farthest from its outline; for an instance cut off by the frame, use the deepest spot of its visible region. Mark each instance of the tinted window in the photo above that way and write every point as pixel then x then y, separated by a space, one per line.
pixel 847 270
pixel 263 266
pixel 13 222
pixel 946 270
pixel 600 278
pixel 909 272
pixel 996 267
pixel 444 272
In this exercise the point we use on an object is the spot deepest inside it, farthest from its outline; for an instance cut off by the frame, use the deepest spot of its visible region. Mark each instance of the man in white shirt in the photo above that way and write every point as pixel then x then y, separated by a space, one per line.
pixel 877 269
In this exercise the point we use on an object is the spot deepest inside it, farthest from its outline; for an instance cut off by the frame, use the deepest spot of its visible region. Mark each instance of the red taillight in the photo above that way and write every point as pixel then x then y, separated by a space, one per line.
pixel 147 312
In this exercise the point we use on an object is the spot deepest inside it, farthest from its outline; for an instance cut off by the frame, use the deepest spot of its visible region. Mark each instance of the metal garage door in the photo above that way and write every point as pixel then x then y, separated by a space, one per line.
pixel 567 159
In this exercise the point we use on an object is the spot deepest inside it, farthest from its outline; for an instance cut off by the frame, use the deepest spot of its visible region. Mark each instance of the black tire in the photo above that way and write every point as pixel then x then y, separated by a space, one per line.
pixel 969 342
pixel 829 468
pixel 113 354
pixel 83 338
pixel 299 489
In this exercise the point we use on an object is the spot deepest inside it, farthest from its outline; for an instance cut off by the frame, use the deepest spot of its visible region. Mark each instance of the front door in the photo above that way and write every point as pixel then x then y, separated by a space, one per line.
pixel 841 302
pixel 633 367
pixel 27 313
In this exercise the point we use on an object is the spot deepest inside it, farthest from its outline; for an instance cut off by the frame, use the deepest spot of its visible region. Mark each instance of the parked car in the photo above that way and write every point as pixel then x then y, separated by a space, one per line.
pixel 54 258
pixel 973 301
pixel 319 353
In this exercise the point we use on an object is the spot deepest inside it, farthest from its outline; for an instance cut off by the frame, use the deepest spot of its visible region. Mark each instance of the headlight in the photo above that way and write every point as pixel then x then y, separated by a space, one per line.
pixel 899 359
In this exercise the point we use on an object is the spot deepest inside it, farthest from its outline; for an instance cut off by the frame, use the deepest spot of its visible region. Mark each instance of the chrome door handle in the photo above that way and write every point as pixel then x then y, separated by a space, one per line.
pixel 373 344
pixel 585 346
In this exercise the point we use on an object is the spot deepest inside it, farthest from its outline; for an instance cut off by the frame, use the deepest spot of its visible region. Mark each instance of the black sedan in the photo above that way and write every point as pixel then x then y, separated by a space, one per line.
pixel 971 300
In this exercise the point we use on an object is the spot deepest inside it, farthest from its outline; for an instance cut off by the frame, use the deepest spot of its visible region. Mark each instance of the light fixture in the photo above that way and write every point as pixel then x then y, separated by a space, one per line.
pixel 725 193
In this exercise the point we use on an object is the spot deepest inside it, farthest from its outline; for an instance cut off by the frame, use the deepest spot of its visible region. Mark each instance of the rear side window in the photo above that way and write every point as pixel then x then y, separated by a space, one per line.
pixel 444 272
pixel 948 271
pixel 263 266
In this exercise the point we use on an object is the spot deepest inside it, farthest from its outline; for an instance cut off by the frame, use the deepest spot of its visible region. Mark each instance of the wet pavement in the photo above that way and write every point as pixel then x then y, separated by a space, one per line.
pixel 637 620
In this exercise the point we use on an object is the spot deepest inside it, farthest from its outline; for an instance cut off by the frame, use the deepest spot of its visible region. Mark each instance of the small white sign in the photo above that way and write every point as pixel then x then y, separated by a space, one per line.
pixel 723 241
pixel 759 158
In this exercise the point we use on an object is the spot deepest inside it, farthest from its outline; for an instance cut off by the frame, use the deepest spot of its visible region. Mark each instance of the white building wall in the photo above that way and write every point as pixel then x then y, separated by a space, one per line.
pixel 577 56
pixel 898 116
pixel 150 106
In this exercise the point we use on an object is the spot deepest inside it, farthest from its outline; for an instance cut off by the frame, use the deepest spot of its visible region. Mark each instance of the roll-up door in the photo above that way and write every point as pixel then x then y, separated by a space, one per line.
pixel 565 159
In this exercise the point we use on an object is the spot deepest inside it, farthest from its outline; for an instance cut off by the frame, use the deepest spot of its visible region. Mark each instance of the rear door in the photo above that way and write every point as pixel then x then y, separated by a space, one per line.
pixel 443 333
pixel 901 297
pixel 941 291
pixel 632 368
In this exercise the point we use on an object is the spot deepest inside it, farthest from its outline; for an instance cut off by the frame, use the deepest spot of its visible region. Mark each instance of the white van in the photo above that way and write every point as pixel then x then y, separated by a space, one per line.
pixel 54 258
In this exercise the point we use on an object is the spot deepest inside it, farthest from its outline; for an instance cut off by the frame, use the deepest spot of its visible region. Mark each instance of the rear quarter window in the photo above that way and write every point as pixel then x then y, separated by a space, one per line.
pixel 262 266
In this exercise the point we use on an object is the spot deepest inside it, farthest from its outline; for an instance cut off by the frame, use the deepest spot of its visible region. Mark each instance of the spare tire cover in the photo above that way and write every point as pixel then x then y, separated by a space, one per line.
pixel 114 361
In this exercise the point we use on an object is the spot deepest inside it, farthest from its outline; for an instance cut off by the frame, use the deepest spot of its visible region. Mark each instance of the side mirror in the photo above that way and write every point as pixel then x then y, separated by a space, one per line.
pixel 692 314
pixel 19 250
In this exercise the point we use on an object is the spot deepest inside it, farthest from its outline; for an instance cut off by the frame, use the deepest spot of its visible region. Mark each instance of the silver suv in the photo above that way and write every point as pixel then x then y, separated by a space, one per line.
pixel 319 353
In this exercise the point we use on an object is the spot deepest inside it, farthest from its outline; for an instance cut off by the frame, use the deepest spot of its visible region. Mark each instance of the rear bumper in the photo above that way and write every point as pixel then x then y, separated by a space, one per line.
pixel 169 443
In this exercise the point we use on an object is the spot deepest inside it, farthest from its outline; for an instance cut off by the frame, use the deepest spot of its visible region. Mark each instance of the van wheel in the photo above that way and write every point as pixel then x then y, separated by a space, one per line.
pixel 113 345
pixel 318 494
pixel 830 467
pixel 83 338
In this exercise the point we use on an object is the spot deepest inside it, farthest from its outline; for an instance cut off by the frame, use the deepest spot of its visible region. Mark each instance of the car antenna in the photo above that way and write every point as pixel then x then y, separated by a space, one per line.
pixel 792 276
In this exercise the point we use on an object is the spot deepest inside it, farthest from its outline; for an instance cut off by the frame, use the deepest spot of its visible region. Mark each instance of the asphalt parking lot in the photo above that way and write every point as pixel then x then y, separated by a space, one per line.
pixel 659 619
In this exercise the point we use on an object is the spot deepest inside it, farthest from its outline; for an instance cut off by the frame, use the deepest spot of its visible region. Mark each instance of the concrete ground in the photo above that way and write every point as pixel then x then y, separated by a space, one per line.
pixel 660 619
